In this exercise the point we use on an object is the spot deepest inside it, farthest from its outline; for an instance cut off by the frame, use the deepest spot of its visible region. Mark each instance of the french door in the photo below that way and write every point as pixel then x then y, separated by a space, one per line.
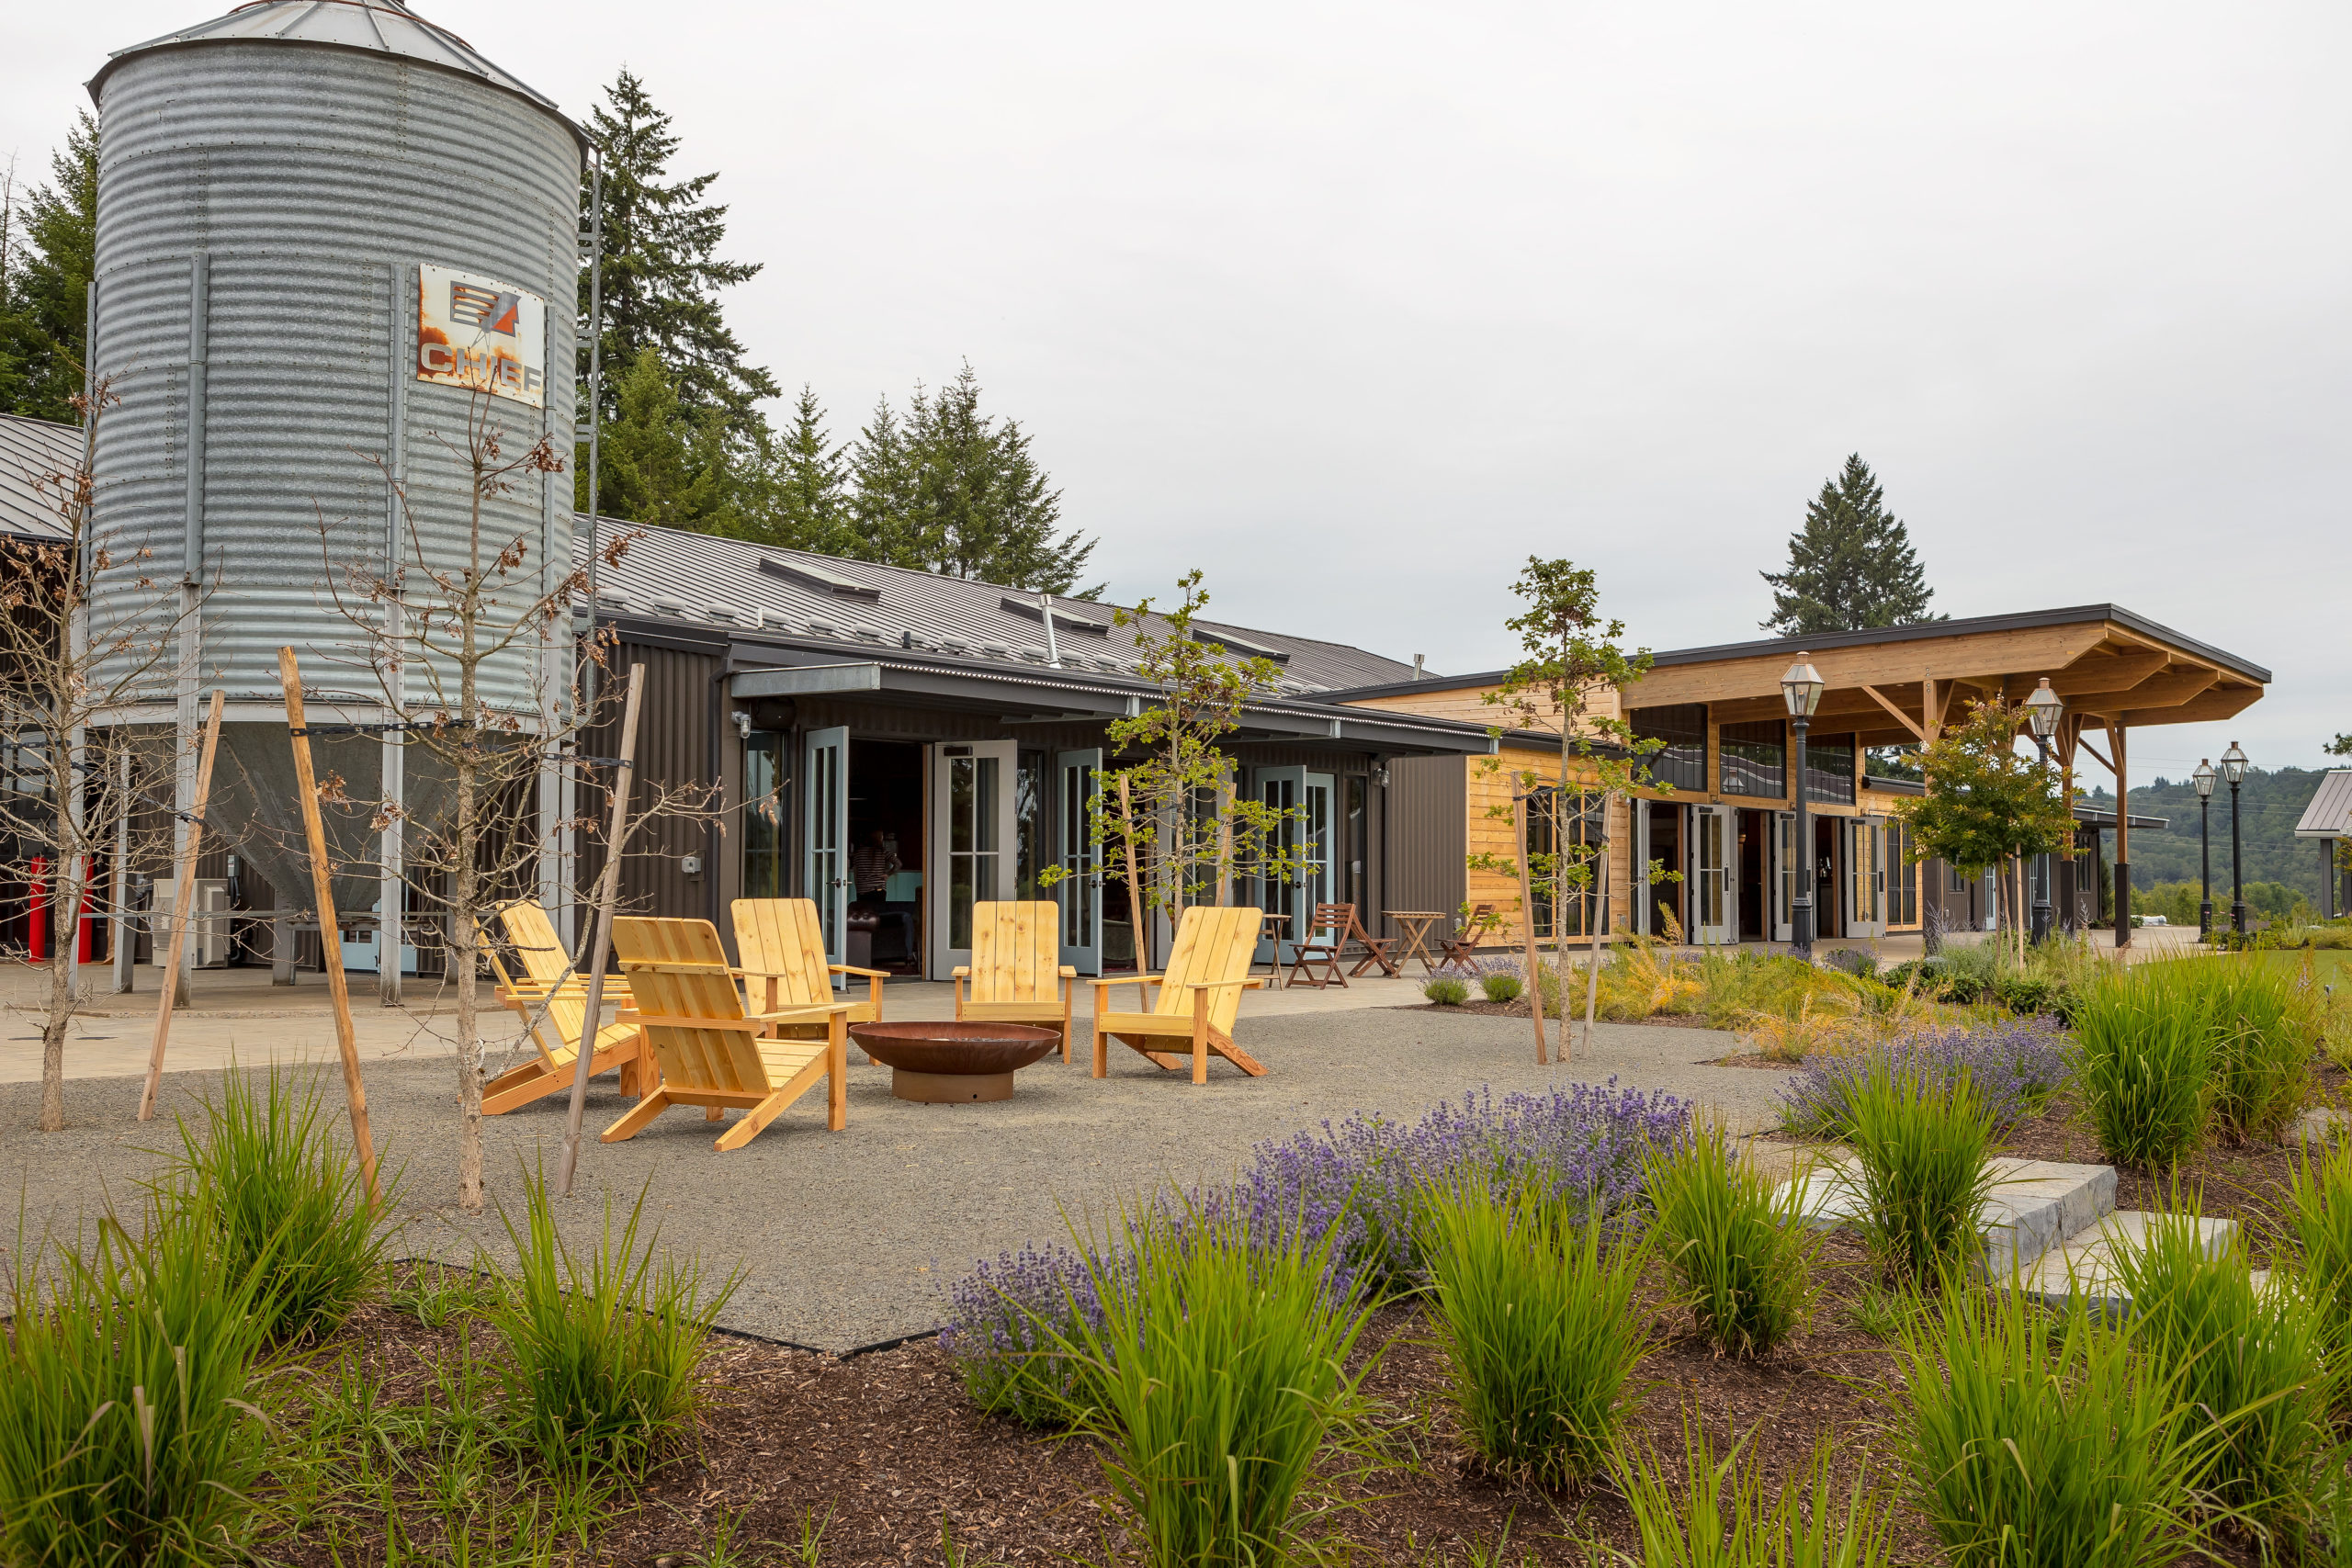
pixel 1715 915
pixel 1308 838
pixel 1643 900
pixel 1782 876
pixel 972 840
pixel 1078 785
pixel 825 865
pixel 1865 877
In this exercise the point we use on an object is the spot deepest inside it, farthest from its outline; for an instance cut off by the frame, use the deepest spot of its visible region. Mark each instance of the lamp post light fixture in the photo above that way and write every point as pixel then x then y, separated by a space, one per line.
pixel 2233 770
pixel 2203 779
pixel 1801 687
pixel 2043 712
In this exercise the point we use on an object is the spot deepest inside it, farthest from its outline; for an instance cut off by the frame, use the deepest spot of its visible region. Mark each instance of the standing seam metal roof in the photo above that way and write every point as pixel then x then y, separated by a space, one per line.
pixel 718 584
pixel 2329 815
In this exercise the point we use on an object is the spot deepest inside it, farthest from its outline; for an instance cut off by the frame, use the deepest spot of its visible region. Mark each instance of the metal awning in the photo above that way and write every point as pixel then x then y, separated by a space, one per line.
pixel 2329 815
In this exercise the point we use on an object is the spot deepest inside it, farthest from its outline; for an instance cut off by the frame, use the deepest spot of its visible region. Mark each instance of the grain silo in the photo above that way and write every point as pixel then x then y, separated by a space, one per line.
pixel 317 221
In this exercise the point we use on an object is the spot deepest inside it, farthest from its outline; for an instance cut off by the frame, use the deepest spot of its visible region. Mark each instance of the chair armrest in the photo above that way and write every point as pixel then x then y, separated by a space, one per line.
pixel 961 971
pixel 852 969
pixel 1067 972
pixel 1220 985
pixel 1127 980
pixel 786 1015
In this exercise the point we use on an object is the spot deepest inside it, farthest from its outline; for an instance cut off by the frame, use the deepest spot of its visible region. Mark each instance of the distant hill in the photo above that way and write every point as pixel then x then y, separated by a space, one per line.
pixel 2269 803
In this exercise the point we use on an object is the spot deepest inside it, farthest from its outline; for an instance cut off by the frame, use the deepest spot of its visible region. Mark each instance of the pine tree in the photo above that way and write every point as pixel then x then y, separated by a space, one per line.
pixel 1851 567
pixel 796 487
pixel 48 256
pixel 662 271
pixel 664 464
pixel 977 504
pixel 882 491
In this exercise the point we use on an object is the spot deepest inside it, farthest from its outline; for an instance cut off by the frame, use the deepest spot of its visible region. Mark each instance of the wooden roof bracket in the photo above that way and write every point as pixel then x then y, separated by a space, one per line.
pixel 1904 719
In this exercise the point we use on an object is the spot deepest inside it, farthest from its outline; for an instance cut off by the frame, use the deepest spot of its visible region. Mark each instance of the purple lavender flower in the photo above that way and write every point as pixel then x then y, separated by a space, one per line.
pixel 2016 1065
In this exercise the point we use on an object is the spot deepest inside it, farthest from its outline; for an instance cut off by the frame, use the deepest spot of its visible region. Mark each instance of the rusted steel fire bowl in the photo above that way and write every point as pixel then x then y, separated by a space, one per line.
pixel 954 1064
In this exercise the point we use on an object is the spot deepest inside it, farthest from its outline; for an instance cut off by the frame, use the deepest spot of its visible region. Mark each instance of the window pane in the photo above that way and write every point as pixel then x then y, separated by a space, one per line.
pixel 1755 759
pixel 1829 769
pixel 1683 727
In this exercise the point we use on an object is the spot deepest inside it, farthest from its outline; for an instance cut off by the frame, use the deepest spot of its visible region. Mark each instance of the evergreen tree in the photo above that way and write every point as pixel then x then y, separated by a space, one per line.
pixel 796 487
pixel 663 463
pixel 882 491
pixel 1851 567
pixel 660 268
pixel 48 256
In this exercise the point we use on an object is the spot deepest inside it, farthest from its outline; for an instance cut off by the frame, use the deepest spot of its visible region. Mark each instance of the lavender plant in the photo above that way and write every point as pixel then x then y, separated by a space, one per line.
pixel 2016 1065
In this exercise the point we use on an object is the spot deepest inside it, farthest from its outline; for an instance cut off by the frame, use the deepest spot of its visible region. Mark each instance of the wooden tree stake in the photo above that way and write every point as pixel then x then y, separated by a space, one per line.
pixel 1135 911
pixel 289 676
pixel 1527 932
pixel 180 911
pixel 607 887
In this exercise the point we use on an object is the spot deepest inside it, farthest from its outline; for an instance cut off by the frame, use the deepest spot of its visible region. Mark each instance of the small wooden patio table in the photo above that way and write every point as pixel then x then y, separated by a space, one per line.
pixel 1417 924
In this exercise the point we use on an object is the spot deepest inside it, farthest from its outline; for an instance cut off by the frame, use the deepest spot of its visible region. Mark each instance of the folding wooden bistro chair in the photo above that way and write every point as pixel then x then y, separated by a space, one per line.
pixel 1461 947
pixel 553 1004
pixel 1199 997
pixel 1315 957
pixel 1375 948
pixel 713 1053
pixel 1016 969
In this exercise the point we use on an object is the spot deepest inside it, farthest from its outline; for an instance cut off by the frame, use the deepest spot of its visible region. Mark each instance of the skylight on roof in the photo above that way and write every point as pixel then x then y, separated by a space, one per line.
pixel 1242 645
pixel 823 579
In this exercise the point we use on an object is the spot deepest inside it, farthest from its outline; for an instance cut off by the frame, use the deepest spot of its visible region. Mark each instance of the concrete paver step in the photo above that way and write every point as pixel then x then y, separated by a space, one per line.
pixel 2085 1265
pixel 2034 1206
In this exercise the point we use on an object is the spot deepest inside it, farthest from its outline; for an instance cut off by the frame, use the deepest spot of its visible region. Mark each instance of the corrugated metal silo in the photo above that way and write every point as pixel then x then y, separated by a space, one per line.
pixel 281 192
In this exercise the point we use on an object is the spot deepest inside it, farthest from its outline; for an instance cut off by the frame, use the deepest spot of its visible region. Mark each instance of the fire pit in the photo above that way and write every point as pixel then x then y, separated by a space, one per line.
pixel 950 1064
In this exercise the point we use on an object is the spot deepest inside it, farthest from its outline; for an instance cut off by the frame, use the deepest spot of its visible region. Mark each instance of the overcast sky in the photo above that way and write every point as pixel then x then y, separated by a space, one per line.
pixel 1357 306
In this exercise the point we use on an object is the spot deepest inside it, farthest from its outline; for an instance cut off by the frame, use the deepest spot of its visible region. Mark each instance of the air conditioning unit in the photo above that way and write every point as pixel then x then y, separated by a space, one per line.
pixel 208 940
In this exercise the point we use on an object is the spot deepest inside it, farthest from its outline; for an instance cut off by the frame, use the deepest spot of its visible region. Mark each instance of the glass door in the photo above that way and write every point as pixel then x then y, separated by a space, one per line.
pixel 1283 790
pixel 1785 862
pixel 826 863
pixel 1713 917
pixel 1079 779
pixel 972 841
pixel 1319 840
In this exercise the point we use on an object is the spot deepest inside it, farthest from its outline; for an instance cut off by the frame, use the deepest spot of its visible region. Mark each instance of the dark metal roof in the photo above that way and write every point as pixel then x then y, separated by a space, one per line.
pixel 720 586
pixel 35 454
pixel 2023 621
pixel 2329 815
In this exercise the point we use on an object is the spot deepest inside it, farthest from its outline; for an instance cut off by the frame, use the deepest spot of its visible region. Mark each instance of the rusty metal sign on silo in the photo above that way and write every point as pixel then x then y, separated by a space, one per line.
pixel 479 334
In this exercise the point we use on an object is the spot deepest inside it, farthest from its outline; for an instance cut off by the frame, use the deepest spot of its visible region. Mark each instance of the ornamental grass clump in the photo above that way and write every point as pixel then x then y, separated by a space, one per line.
pixel 1534 1311
pixel 2142 1044
pixel 2034 1441
pixel 2016 1066
pixel 2246 1361
pixel 131 1426
pixel 2262 1035
pixel 1711 1513
pixel 1736 1244
pixel 2318 1219
pixel 287 1200
pixel 605 1348
pixel 1219 1359
pixel 1919 1143
pixel 1447 990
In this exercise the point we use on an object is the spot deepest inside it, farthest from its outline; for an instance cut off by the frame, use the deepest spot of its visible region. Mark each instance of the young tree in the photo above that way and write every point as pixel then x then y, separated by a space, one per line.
pixel 660 268
pixel 1572 660
pixel 1986 805
pixel 1851 566
pixel 48 256
pixel 1180 821
pixel 73 785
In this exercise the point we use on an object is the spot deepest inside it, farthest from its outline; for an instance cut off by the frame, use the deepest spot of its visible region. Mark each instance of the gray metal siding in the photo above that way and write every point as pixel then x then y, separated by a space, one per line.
pixel 315 178
pixel 672 750
pixel 1425 834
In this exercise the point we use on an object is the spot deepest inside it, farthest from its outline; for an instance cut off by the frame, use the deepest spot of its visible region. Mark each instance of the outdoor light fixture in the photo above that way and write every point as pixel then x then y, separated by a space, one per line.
pixel 1801 687
pixel 2203 779
pixel 2234 769
pixel 2043 711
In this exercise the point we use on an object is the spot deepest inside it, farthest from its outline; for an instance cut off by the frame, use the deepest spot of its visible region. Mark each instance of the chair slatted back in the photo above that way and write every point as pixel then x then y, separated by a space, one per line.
pixel 783 942
pixel 545 963
pixel 1329 926
pixel 677 969
pixel 1211 944
pixel 1016 952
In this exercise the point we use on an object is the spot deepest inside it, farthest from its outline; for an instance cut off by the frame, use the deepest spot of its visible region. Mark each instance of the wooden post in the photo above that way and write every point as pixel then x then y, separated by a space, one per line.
pixel 1599 916
pixel 1136 915
pixel 180 911
pixel 607 886
pixel 1225 837
pixel 1527 934
pixel 289 676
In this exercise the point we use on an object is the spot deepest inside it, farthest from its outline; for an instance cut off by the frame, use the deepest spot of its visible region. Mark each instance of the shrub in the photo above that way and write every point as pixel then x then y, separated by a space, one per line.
pixel 2141 1047
pixel 1448 990
pixel 1718 1515
pixel 1738 1246
pixel 128 1429
pixel 1006 1322
pixel 1642 979
pixel 1734 987
pixel 1919 1144
pixel 2245 1363
pixel 604 1351
pixel 2318 1217
pixel 2014 1065
pixel 1859 962
pixel 1536 1316
pixel 2038 1443
pixel 287 1201
pixel 1802 1034
pixel 1500 986
pixel 1220 1361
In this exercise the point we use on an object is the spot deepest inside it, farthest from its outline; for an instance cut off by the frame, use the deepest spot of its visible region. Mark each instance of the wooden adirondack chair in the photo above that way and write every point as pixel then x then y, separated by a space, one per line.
pixel 1200 995
pixel 712 1053
pixel 553 1005
pixel 1016 968
pixel 783 947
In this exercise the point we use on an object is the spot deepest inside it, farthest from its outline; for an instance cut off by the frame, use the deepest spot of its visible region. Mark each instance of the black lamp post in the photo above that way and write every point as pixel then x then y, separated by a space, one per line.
pixel 2043 711
pixel 1801 687
pixel 2203 779
pixel 2234 769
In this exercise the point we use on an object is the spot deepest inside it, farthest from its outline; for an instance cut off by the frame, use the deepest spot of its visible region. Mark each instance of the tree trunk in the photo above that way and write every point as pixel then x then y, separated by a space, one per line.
pixel 58 1014
pixel 461 963
pixel 1592 928
pixel 1527 931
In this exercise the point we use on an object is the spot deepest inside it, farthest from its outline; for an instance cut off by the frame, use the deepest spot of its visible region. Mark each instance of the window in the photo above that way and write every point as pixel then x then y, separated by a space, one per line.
pixel 1583 826
pixel 1957 881
pixel 1683 727
pixel 1829 770
pixel 1755 759
pixel 1028 823
pixel 1901 876
pixel 765 834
